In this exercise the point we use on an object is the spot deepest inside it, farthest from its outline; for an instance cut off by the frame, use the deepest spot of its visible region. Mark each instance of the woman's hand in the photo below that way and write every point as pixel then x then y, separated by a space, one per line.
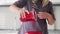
pixel 15 9
pixel 43 15
pixel 22 12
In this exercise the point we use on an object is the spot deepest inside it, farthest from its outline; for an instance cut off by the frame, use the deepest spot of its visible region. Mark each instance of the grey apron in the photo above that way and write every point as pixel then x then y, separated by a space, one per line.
pixel 29 26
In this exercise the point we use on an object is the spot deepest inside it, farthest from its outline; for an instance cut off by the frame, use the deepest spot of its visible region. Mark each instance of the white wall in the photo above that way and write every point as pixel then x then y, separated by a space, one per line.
pixel 55 1
pixel 8 20
pixel 7 2
pixel 57 14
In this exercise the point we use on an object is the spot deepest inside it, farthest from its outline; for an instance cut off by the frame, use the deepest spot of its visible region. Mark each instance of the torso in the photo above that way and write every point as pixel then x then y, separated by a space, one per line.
pixel 38 4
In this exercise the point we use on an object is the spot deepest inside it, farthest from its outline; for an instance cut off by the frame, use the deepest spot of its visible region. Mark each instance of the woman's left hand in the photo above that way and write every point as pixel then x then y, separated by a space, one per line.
pixel 43 15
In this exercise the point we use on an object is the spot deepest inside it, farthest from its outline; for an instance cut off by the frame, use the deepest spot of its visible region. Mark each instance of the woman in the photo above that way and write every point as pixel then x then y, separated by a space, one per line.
pixel 44 11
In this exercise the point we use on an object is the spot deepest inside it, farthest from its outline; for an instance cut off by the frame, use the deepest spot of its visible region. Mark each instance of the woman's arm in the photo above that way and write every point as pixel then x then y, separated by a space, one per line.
pixel 14 8
pixel 50 19
pixel 48 14
pixel 17 7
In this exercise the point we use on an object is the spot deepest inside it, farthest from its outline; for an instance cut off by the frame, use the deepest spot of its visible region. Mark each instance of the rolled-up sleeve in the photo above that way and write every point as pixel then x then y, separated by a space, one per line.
pixel 20 3
pixel 49 8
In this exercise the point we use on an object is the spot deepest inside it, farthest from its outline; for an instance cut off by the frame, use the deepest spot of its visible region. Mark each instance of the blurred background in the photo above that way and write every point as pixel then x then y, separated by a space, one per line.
pixel 9 21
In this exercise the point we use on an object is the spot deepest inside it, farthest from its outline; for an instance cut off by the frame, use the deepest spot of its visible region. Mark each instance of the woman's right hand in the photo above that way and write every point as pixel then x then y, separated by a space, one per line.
pixel 17 9
pixel 22 12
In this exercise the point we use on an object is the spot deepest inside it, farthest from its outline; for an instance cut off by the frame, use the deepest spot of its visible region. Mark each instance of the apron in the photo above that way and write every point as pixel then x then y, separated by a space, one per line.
pixel 29 24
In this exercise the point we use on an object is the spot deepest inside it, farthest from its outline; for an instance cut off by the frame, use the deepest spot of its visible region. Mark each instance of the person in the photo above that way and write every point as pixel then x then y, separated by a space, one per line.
pixel 44 11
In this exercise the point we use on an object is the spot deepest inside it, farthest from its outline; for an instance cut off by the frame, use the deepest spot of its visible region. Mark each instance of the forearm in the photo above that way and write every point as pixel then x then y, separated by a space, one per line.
pixel 14 8
pixel 50 19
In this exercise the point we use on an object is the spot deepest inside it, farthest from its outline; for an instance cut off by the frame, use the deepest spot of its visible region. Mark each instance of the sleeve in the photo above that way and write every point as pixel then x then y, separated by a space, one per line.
pixel 49 8
pixel 20 3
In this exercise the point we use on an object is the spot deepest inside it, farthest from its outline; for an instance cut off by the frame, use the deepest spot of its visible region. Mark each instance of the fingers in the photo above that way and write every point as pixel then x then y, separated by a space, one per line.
pixel 22 13
pixel 27 11
pixel 42 15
